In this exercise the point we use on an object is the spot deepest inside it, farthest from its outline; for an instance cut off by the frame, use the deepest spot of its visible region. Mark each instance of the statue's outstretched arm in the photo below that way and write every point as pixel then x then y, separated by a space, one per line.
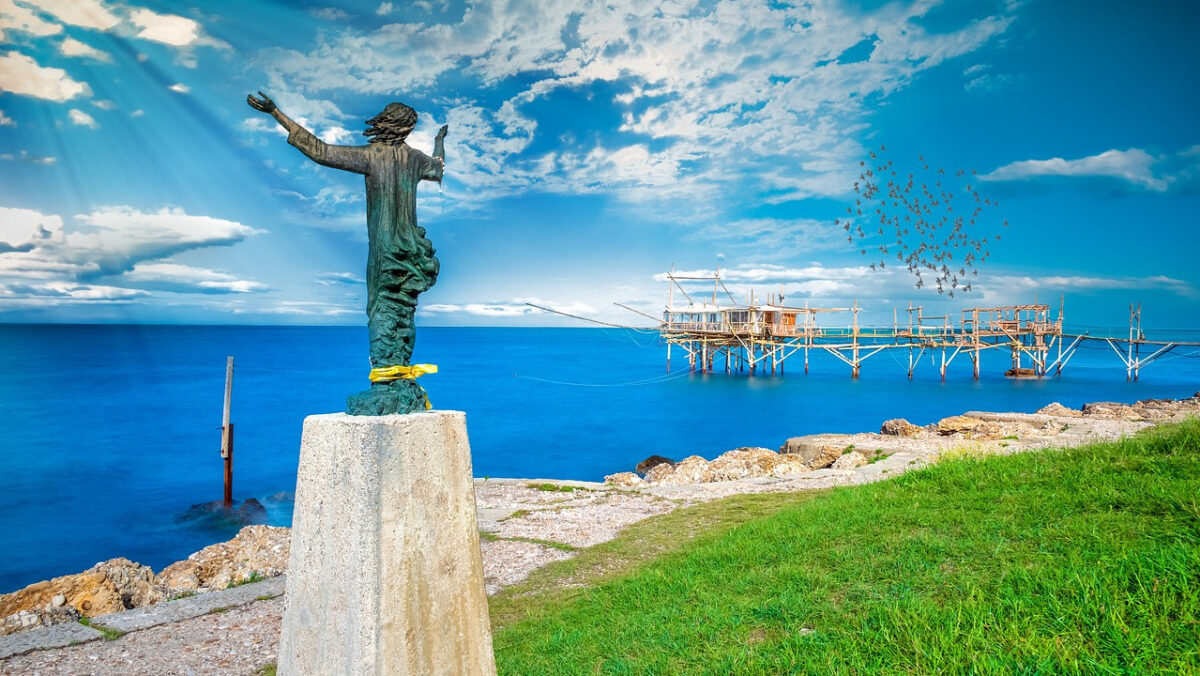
pixel 433 172
pixel 348 158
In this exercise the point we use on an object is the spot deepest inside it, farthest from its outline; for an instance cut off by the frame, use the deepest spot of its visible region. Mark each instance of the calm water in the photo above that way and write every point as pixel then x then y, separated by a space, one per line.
pixel 110 432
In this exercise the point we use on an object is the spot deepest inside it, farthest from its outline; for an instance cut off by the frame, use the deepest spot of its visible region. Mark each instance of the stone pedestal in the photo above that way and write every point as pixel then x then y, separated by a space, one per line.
pixel 385 575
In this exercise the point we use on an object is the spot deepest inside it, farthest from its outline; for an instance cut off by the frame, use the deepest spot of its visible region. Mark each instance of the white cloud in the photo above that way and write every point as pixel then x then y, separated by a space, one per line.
pixel 1092 283
pixel 114 253
pixel 712 93
pixel 172 29
pixel 302 309
pixel 384 8
pixel 73 47
pixel 119 237
pixel 1133 166
pixel 20 74
pixel 137 113
pixel 169 29
pixel 24 19
pixel 104 104
pixel 180 88
pixel 187 279
pixel 24 156
pixel 339 278
pixel 6 121
pixel 783 238
pixel 336 135
pixel 517 307
pixel 330 14
pixel 82 119
pixel 23 229
pixel 84 13
pixel 773 274
pixel 479 309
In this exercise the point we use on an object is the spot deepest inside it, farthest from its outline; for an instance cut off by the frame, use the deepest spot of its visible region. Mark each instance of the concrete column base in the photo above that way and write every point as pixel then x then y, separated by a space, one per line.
pixel 385 575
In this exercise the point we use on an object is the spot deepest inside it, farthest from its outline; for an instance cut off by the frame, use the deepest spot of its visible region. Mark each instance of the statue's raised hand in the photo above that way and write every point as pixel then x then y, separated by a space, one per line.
pixel 441 132
pixel 265 104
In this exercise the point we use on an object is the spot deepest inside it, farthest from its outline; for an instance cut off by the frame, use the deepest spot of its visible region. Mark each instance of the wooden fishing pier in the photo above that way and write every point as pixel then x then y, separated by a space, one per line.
pixel 760 337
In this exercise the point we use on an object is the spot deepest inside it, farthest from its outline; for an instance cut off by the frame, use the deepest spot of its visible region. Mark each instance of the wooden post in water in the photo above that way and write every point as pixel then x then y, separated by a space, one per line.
pixel 227 434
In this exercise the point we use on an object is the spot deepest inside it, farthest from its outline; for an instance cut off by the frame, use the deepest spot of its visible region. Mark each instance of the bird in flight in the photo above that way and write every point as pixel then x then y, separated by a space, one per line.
pixel 922 228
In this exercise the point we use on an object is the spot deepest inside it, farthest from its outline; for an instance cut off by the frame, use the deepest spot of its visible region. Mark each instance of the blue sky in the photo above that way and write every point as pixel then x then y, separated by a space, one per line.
pixel 592 146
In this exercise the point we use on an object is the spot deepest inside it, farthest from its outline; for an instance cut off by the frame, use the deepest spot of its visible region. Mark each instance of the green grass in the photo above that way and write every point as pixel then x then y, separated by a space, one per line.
pixel 266 670
pixel 250 579
pixel 106 633
pixel 486 536
pixel 555 488
pixel 1082 561
pixel 878 455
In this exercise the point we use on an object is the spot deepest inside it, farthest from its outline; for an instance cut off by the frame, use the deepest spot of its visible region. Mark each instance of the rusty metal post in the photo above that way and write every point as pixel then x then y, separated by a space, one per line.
pixel 227 444
pixel 227 434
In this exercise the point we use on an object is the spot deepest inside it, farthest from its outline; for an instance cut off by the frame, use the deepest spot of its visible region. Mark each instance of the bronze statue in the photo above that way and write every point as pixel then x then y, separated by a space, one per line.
pixel 400 259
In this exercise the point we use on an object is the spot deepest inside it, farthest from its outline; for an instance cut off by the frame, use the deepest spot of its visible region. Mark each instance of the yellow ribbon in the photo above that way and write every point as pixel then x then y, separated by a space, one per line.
pixel 387 374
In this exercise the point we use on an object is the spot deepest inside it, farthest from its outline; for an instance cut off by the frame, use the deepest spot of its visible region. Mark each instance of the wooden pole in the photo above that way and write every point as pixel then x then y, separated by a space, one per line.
pixel 227 434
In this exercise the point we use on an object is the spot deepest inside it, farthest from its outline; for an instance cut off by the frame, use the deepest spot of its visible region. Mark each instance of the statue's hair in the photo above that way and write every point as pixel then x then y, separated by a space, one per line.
pixel 392 125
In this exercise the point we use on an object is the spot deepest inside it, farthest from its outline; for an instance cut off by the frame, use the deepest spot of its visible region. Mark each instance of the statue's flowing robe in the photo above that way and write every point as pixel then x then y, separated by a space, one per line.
pixel 400 260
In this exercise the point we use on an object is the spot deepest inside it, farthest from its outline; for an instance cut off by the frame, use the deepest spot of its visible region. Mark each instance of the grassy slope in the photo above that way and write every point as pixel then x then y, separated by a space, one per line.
pixel 1078 561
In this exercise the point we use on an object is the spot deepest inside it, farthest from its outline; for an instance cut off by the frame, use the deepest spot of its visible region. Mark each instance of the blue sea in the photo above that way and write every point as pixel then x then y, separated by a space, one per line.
pixel 109 433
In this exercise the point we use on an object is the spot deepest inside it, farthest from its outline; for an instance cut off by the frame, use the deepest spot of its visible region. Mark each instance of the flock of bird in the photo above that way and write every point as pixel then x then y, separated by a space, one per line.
pixel 928 218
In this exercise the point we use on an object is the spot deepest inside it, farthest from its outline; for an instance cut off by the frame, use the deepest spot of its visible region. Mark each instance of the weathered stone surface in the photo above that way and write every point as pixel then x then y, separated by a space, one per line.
pixel 385 574
pixel 41 638
pixel 46 617
pixel 850 460
pixel 659 472
pixel 1057 409
pixel 175 610
pixel 789 465
pixel 256 550
pixel 137 584
pixel 899 427
pixel 691 470
pixel 1109 409
pixel 816 454
pixel 90 592
pixel 651 462
pixel 957 424
pixel 742 463
pixel 624 480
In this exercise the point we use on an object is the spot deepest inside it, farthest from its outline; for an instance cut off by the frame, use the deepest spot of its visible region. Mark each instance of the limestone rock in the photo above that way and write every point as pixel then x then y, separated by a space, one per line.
pixel 691 470
pixel 624 480
pixel 261 550
pixel 1057 409
pixel 1112 410
pixel 651 462
pixel 850 460
pixel 899 427
pixel 788 465
pixel 957 424
pixel 815 454
pixel 659 472
pixel 742 463
pixel 28 619
pixel 137 584
pixel 90 593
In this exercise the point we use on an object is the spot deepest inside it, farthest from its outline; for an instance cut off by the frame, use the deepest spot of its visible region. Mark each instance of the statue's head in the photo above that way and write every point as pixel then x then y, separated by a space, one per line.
pixel 392 125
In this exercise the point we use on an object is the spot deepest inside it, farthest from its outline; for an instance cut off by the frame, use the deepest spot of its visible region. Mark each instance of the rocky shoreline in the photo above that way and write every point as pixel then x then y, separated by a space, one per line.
pixel 526 524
